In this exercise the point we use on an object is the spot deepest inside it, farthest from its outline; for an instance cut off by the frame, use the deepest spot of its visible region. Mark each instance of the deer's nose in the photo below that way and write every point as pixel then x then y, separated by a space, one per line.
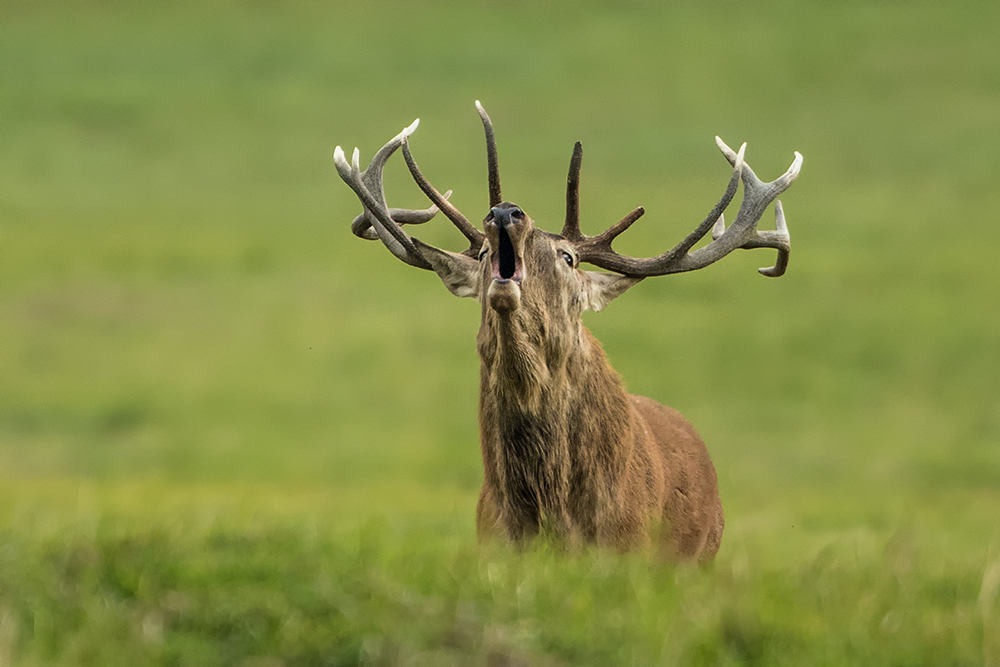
pixel 504 217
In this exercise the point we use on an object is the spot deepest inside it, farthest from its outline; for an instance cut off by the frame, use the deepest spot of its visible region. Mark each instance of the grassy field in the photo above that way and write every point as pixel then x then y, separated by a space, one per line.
pixel 233 434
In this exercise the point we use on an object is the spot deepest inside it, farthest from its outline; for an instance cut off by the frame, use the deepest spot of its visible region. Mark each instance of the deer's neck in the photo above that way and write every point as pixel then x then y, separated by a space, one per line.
pixel 550 405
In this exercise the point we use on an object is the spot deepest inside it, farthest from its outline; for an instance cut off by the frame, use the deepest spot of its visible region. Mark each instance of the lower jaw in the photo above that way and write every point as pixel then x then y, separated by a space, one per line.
pixel 504 296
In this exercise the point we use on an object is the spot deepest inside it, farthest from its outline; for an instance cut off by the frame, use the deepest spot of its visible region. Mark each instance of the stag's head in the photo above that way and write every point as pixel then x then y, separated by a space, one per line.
pixel 523 267
pixel 512 266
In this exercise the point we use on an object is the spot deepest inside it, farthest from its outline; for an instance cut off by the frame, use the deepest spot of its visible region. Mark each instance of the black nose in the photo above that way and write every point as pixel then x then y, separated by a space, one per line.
pixel 506 216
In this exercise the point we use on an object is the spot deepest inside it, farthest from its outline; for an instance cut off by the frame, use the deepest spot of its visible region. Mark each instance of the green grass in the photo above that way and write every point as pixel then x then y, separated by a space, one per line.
pixel 231 433
pixel 184 593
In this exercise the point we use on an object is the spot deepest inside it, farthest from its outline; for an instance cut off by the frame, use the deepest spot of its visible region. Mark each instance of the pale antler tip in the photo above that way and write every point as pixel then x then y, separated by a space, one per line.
pixel 726 150
pixel 779 218
pixel 478 105
pixel 719 228
pixel 794 169
pixel 356 160
pixel 739 156
pixel 411 128
pixel 340 160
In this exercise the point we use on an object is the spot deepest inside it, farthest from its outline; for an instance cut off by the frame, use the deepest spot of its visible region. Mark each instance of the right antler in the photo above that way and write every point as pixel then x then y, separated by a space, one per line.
pixel 743 233
pixel 386 221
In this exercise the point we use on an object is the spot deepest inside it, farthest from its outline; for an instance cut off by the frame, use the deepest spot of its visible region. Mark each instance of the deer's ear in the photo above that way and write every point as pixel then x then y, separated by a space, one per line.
pixel 600 289
pixel 459 273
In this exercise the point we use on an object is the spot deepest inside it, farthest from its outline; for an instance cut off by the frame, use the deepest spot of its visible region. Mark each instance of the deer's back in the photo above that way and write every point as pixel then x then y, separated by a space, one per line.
pixel 692 510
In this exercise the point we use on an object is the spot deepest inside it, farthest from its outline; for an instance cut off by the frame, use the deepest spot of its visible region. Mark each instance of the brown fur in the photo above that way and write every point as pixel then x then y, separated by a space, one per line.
pixel 566 451
pixel 587 462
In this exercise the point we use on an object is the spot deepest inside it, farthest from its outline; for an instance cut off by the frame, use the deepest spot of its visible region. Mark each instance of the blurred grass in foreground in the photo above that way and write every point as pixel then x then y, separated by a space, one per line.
pixel 181 593
pixel 229 431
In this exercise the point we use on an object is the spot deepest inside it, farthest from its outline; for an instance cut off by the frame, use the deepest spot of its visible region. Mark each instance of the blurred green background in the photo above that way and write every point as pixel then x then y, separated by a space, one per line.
pixel 193 345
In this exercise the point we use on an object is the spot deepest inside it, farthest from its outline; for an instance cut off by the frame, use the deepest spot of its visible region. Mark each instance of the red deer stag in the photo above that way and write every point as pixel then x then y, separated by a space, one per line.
pixel 566 451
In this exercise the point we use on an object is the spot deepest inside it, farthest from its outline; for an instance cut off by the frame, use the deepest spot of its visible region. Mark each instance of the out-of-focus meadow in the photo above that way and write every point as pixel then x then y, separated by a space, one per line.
pixel 232 433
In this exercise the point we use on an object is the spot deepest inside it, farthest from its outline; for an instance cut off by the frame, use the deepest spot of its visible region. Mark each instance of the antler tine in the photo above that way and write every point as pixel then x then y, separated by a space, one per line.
pixel 571 228
pixel 398 243
pixel 491 157
pixel 778 239
pixel 757 195
pixel 612 232
pixel 475 237
pixel 362 227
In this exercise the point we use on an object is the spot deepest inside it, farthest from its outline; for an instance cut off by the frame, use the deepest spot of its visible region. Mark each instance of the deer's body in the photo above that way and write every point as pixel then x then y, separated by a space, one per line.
pixel 566 451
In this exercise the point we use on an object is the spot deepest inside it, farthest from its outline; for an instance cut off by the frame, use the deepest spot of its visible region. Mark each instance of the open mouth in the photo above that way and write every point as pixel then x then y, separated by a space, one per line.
pixel 506 265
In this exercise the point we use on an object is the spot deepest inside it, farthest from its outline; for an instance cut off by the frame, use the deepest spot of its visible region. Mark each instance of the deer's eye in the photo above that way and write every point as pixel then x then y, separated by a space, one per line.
pixel 568 258
pixel 482 253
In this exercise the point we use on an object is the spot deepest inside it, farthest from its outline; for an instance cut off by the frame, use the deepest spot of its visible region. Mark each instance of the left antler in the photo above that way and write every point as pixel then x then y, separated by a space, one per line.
pixel 381 222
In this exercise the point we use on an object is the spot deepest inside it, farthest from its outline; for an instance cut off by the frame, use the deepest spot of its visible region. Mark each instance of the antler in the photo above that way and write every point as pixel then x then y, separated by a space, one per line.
pixel 381 222
pixel 492 162
pixel 743 233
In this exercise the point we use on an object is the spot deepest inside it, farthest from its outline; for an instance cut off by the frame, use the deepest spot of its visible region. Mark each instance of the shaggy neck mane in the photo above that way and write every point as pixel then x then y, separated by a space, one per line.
pixel 548 410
